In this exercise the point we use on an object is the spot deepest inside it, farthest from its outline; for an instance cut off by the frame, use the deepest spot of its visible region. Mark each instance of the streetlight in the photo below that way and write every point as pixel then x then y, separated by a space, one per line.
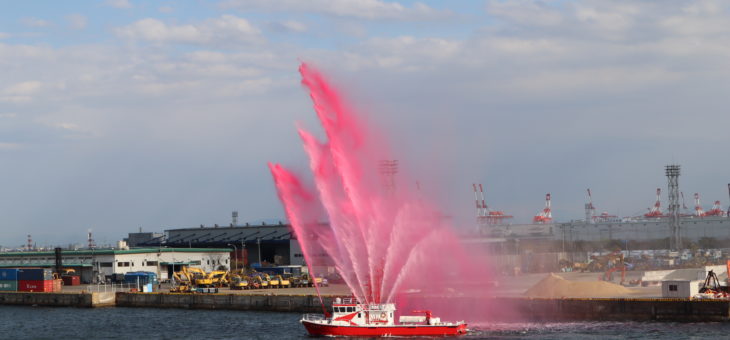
pixel 235 253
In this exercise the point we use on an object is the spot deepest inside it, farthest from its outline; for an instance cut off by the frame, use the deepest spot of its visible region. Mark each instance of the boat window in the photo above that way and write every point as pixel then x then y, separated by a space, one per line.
pixel 350 309
pixel 358 315
pixel 337 309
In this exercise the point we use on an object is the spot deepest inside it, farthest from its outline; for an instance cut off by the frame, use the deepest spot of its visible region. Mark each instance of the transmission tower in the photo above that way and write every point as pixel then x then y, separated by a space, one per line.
pixel 388 169
pixel 672 172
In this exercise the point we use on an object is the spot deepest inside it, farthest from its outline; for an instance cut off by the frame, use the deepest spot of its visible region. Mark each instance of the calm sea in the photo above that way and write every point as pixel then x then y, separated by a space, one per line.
pixel 138 323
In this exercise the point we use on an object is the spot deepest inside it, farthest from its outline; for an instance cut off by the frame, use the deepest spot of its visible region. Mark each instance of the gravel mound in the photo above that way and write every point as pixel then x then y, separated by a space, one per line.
pixel 554 286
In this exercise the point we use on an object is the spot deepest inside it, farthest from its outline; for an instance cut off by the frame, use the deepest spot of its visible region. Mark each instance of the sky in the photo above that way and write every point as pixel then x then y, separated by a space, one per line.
pixel 122 114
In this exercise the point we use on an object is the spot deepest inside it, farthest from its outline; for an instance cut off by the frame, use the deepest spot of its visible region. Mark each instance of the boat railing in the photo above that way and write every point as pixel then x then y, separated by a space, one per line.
pixel 313 317
pixel 348 301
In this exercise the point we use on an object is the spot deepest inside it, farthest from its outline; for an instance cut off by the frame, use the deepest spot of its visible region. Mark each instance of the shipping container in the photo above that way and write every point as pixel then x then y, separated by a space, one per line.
pixel 8 274
pixel 8 286
pixel 35 274
pixel 71 280
pixel 35 286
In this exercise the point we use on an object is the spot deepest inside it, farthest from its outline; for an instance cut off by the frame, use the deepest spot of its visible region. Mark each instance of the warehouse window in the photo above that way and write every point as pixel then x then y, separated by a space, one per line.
pixel 105 264
pixel 152 263
pixel 672 288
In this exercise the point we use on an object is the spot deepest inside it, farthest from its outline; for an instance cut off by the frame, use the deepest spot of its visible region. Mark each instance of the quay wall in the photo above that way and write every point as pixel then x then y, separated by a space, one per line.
pixel 84 300
pixel 619 309
pixel 279 303
pixel 504 309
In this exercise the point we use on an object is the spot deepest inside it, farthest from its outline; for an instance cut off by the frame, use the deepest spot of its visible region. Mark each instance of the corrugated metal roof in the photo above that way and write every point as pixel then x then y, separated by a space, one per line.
pixel 117 252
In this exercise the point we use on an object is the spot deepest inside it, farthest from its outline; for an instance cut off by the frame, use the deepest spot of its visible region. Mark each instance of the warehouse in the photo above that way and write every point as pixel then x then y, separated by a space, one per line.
pixel 268 244
pixel 98 265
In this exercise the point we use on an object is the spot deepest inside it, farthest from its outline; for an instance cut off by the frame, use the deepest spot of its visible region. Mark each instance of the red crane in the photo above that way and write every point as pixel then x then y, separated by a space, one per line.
pixel 656 210
pixel 546 215
pixel 699 212
pixel 483 212
pixel 716 210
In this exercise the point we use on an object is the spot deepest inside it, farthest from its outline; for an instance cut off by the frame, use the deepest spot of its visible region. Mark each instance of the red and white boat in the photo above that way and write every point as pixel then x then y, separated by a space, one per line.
pixel 350 318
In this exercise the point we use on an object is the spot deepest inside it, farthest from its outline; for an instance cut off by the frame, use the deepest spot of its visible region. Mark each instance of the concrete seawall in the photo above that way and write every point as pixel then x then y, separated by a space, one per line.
pixel 619 309
pixel 505 309
pixel 85 300
pixel 281 303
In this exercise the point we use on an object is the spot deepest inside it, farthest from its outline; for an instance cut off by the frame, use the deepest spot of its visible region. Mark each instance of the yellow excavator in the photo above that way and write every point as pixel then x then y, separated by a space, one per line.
pixel 183 282
pixel 308 281
pixel 273 281
pixel 283 282
pixel 258 281
pixel 239 282
pixel 198 276
pixel 218 278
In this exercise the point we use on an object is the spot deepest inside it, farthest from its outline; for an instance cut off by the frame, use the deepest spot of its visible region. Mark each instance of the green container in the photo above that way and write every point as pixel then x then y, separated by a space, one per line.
pixel 8 286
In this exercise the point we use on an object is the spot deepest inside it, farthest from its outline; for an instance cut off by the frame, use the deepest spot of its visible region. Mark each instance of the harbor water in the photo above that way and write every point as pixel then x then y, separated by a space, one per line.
pixel 143 323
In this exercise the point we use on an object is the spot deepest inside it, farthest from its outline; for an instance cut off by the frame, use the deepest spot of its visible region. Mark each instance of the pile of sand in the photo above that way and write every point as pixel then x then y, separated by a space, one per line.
pixel 554 286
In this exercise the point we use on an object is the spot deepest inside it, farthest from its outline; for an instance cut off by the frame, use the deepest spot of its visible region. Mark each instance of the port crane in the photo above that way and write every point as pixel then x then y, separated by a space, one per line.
pixel 546 215
pixel 604 216
pixel 656 210
pixel 484 214
pixel 699 212
pixel 716 210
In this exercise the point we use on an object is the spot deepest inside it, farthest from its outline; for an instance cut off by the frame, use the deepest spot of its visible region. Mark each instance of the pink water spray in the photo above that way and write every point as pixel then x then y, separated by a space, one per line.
pixel 381 241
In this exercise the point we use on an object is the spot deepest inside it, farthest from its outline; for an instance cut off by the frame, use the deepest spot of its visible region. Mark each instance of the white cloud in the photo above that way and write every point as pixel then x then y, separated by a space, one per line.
pixel 288 26
pixel 4 35
pixel 226 29
pixel 35 22
pixel 77 21
pixel 363 9
pixel 166 9
pixel 121 4
pixel 20 92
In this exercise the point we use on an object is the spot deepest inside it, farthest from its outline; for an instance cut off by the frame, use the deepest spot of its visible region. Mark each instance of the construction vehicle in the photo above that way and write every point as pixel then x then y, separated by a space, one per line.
pixel 198 277
pixel 239 282
pixel 310 282
pixel 298 281
pixel 613 262
pixel 273 281
pixel 182 282
pixel 258 281
pixel 283 282
pixel 218 278
pixel 711 288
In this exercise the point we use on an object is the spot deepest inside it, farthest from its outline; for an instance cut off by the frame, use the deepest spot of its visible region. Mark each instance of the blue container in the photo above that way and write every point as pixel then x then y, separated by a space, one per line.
pixel 35 274
pixel 8 274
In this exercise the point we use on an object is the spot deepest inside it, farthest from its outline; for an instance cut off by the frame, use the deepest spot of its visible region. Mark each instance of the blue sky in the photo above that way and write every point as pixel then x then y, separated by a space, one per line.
pixel 116 115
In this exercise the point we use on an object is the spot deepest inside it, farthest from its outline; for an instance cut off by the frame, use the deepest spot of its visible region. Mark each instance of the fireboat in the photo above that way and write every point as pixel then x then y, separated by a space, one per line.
pixel 351 318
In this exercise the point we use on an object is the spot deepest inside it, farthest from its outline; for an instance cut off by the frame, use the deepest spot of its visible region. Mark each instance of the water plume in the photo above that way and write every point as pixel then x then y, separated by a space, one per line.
pixel 383 242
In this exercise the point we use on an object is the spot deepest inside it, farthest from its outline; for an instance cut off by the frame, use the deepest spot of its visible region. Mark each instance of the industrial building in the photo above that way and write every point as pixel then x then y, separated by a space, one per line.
pixel 249 244
pixel 98 265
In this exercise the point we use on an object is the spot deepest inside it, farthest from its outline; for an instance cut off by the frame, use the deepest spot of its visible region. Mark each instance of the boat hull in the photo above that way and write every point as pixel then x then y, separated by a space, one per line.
pixel 318 329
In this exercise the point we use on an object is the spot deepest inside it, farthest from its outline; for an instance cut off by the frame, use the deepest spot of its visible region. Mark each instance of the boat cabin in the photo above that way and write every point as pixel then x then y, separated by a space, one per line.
pixel 347 311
